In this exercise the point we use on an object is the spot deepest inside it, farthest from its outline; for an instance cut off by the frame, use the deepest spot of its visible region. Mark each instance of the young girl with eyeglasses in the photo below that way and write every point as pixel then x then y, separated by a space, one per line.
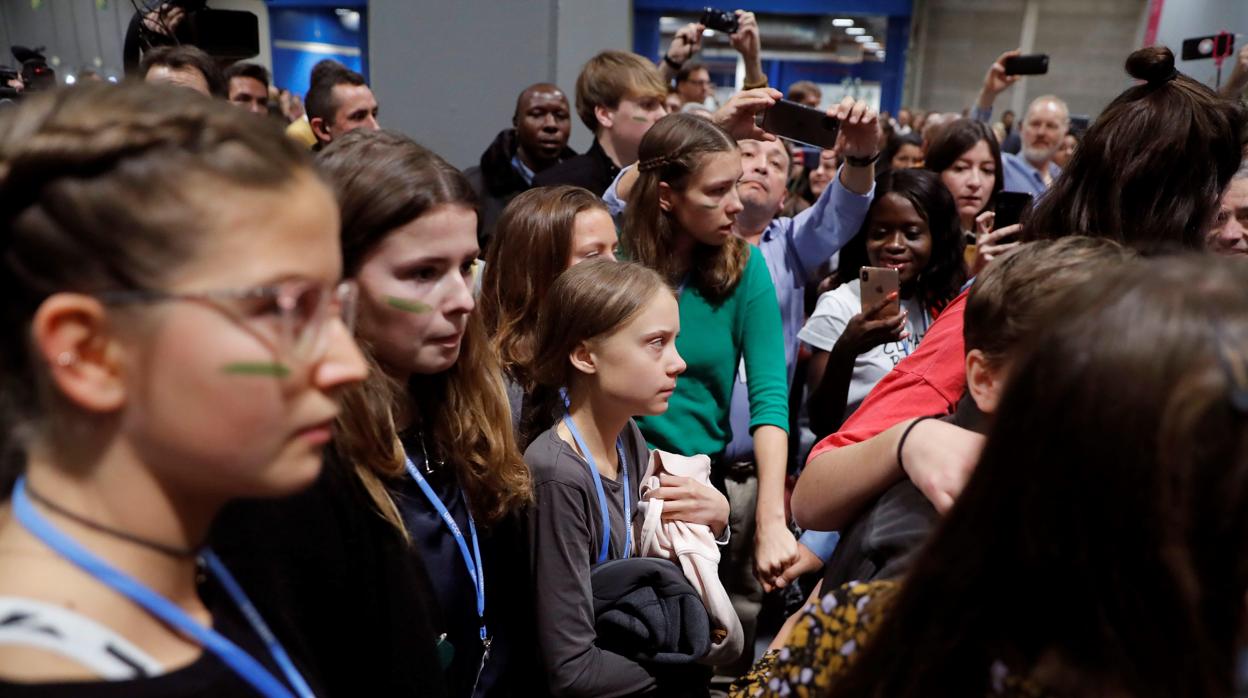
pixel 176 335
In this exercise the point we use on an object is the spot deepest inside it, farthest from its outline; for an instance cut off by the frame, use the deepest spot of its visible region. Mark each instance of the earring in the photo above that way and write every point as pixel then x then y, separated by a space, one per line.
pixel 66 358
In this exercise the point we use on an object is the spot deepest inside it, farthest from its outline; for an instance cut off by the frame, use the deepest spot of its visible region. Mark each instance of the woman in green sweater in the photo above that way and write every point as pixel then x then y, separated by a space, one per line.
pixel 679 221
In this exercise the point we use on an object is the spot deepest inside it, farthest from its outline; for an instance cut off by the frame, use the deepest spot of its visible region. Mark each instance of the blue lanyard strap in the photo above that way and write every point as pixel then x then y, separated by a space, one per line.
pixel 476 571
pixel 233 656
pixel 604 549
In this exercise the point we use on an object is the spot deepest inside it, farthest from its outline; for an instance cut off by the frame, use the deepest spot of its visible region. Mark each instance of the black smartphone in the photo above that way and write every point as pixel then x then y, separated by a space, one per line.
pixel 801 124
pixel 720 20
pixel 1079 124
pixel 1209 46
pixel 1009 208
pixel 1034 64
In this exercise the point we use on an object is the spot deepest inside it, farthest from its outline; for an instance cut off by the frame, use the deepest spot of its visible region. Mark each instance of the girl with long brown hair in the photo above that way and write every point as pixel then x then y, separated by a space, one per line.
pixel 604 352
pixel 541 232
pixel 679 222
pixel 434 426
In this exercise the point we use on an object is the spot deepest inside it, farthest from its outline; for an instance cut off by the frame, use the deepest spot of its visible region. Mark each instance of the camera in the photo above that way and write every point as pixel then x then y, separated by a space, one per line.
pixel 720 20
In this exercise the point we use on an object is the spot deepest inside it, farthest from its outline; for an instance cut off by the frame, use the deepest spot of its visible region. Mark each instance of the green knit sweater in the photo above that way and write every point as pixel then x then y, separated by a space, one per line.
pixel 713 339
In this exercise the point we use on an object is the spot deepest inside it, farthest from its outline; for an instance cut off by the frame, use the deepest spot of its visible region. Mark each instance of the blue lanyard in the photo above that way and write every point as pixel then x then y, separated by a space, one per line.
pixel 602 494
pixel 476 571
pixel 233 656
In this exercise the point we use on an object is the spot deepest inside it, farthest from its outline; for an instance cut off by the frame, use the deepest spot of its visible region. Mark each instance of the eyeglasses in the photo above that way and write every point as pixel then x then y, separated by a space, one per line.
pixel 290 317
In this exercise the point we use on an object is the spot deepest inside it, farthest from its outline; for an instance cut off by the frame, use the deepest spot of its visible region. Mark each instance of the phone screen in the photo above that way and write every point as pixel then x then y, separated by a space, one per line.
pixel 801 124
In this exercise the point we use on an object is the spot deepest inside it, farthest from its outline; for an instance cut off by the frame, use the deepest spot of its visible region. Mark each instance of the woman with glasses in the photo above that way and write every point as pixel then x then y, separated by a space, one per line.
pixel 433 427
pixel 175 339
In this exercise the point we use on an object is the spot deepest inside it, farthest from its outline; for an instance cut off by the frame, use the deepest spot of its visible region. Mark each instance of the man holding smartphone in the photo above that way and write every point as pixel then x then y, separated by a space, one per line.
pixel 1045 124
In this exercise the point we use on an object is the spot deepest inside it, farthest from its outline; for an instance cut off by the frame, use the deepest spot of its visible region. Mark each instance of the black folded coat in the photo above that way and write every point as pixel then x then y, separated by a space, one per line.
pixel 646 610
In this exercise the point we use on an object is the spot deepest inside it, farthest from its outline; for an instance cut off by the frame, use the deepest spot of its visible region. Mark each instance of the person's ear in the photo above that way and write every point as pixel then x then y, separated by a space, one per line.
pixel 984 381
pixel 83 359
pixel 784 198
pixel 667 197
pixel 320 129
pixel 605 117
pixel 583 359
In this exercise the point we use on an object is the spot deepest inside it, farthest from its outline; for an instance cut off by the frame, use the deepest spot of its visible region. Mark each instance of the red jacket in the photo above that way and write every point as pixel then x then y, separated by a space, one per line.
pixel 930 381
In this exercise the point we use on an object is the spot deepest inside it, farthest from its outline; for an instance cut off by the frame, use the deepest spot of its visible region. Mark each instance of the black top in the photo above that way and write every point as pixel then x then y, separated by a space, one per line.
pixel 510 667
pixel 206 677
pixel 593 170
pixel 325 569
pixel 565 537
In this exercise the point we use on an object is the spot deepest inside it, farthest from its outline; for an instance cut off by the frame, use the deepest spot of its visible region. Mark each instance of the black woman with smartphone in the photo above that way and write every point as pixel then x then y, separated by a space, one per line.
pixel 904 267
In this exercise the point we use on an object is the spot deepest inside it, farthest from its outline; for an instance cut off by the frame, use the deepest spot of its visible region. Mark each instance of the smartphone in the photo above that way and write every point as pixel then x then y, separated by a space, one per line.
pixel 1009 207
pixel 1222 45
pixel 877 282
pixel 1034 64
pixel 720 20
pixel 801 124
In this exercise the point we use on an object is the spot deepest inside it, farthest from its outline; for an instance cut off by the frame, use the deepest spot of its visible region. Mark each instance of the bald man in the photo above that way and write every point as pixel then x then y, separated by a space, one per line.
pixel 537 140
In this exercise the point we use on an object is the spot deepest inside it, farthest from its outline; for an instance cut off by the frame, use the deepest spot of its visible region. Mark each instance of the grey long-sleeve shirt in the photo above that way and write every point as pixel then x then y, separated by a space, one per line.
pixel 565 534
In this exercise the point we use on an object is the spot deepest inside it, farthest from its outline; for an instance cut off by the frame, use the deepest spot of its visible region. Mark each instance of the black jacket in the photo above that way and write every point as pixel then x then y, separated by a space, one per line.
pixel 645 609
pixel 594 170
pixel 327 572
pixel 496 182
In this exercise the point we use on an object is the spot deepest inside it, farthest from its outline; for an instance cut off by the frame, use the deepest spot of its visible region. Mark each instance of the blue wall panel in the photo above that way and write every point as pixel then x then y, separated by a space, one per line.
pixel 306 34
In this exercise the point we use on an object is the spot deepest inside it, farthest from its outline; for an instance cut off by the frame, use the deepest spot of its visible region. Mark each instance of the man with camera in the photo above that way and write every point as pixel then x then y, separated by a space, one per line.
pixel 693 80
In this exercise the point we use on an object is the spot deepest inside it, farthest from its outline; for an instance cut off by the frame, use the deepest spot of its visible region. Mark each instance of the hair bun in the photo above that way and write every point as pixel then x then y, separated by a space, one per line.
pixel 1154 65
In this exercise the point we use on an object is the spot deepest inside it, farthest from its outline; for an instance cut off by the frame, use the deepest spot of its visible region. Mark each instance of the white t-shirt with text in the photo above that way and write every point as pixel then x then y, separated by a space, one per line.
pixel 833 313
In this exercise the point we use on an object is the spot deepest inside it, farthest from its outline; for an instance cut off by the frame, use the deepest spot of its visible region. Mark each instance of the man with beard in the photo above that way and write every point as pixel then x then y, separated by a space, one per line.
pixel 1045 125
pixel 537 140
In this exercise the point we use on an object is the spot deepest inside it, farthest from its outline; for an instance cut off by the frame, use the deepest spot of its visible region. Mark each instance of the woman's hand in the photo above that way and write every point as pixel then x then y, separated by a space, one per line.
pixel 686 499
pixel 989 243
pixel 775 550
pixel 872 327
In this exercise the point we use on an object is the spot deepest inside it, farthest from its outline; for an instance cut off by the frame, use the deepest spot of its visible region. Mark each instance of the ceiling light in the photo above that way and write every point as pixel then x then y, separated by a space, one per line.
pixel 864 39
pixel 842 22
pixel 855 30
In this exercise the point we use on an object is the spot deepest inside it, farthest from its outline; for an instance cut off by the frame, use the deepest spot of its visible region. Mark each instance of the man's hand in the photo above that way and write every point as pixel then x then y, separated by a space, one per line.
pixel 1238 80
pixel 860 128
pixel 745 40
pixel 939 458
pixel 685 499
pixel 164 19
pixel 775 550
pixel 737 115
pixel 686 42
pixel 995 81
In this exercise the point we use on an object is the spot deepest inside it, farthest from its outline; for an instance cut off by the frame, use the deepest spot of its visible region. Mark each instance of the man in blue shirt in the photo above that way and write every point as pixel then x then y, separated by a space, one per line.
pixel 1047 120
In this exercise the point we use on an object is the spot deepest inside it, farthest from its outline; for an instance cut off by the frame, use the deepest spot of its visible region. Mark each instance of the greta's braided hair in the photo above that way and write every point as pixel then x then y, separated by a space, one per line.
pixel 106 187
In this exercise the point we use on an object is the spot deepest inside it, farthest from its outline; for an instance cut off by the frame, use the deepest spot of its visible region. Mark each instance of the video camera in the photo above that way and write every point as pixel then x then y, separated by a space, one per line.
pixel 34 74
pixel 227 35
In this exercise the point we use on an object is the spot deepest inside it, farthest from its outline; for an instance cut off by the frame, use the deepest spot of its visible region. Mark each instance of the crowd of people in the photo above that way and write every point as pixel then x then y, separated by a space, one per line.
pixel 291 406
